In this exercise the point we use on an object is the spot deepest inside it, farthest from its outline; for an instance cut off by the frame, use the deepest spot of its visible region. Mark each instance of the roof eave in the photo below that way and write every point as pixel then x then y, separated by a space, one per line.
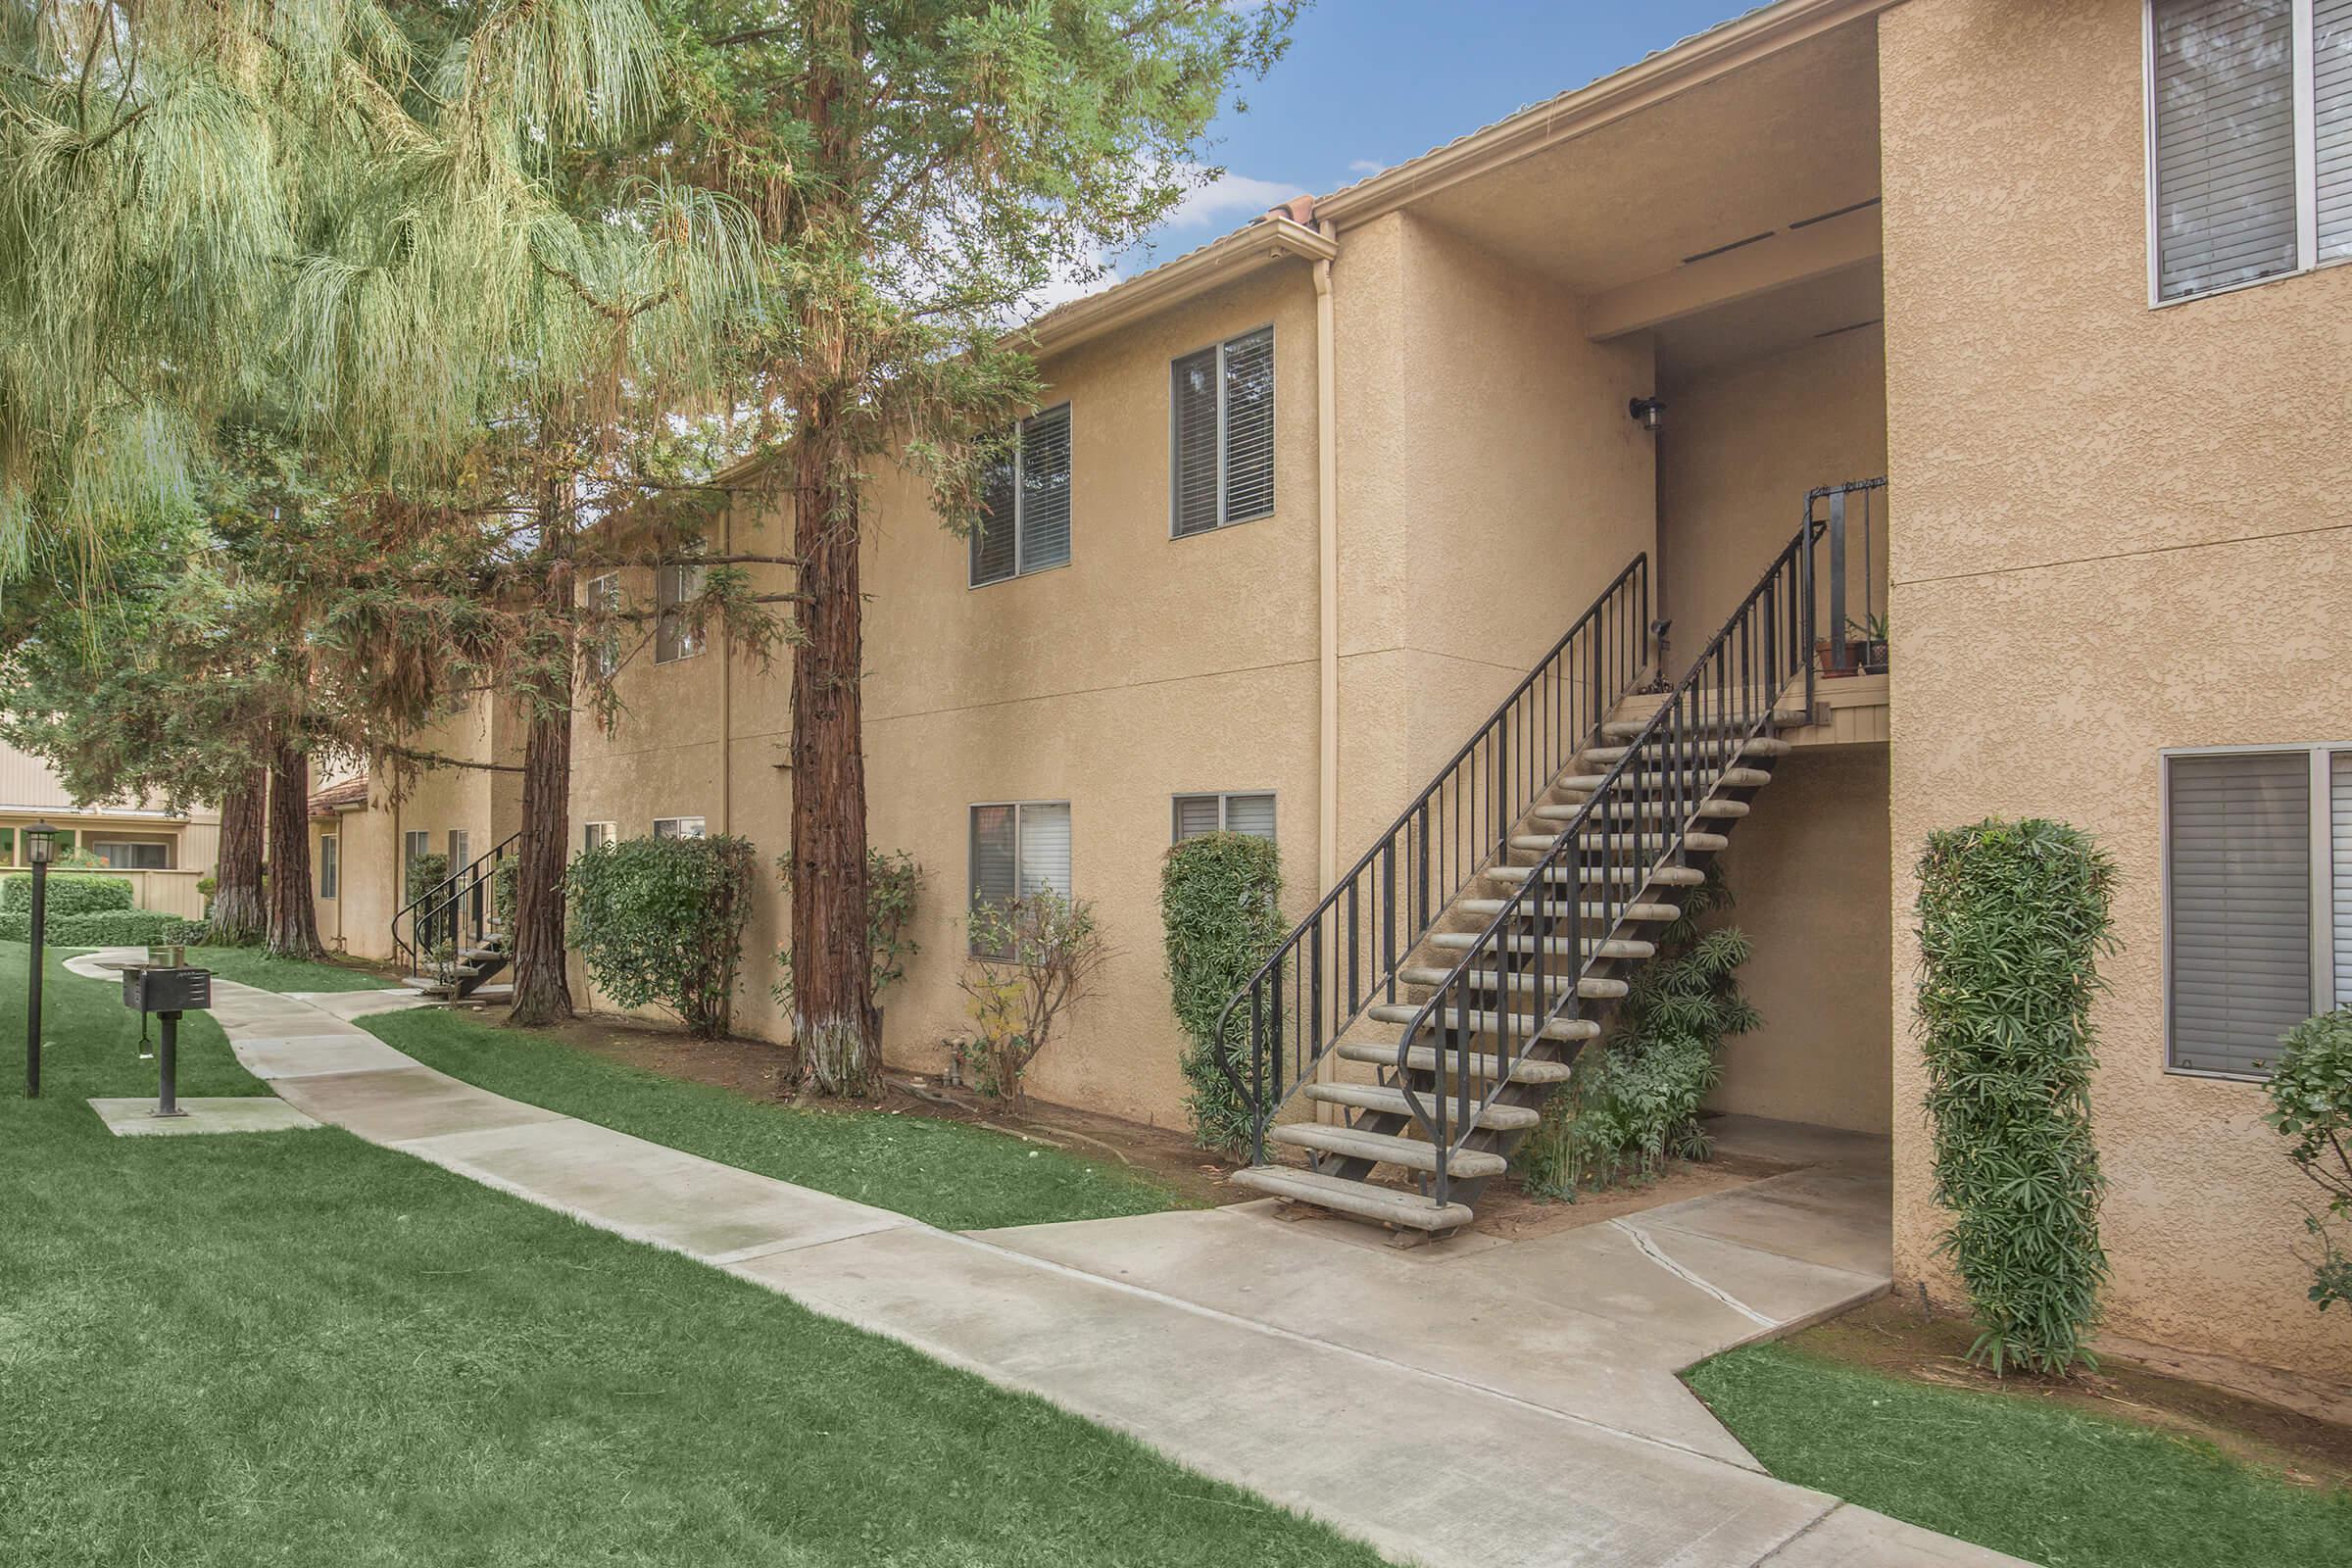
pixel 1264 242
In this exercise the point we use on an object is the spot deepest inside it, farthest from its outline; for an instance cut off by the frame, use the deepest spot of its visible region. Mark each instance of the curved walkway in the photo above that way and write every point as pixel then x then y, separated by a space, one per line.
pixel 1481 1407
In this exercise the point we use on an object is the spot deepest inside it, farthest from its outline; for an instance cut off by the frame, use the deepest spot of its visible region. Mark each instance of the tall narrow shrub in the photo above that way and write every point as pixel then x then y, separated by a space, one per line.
pixel 660 921
pixel 1220 904
pixel 2012 917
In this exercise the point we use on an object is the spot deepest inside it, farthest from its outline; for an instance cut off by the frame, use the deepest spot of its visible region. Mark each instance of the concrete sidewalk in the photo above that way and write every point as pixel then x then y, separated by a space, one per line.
pixel 1483 1407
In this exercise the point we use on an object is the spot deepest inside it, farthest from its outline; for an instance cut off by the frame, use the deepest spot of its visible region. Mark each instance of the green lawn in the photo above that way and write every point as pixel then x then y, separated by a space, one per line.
pixel 2042 1482
pixel 297 1348
pixel 953 1175
pixel 255 968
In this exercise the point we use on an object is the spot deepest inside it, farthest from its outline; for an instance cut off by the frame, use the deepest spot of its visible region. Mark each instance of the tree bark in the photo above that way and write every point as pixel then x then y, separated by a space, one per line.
pixel 293 917
pixel 237 914
pixel 542 990
pixel 833 1019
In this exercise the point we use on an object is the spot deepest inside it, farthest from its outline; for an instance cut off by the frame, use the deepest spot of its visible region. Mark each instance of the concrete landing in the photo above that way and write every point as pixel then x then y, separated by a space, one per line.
pixel 1499 1406
pixel 136 1118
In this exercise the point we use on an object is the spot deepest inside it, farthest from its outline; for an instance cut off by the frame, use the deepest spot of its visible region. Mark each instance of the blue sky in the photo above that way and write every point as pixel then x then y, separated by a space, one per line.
pixel 1368 84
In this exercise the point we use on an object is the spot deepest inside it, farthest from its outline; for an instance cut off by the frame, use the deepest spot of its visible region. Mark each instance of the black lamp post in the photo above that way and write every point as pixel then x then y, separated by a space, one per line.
pixel 40 846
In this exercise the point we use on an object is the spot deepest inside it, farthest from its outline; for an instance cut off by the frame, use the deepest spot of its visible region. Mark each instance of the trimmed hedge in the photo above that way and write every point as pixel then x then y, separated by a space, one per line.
pixel 106 928
pixel 72 894
pixel 1220 904
pixel 2012 917
pixel 660 922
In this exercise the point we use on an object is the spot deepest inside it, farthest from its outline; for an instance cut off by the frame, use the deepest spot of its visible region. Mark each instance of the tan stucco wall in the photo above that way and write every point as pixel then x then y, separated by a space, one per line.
pixel 1808 871
pixel 1742 447
pixel 2123 529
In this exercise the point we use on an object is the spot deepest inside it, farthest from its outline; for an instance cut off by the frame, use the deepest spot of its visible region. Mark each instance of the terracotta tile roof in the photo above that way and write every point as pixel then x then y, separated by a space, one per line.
pixel 349 795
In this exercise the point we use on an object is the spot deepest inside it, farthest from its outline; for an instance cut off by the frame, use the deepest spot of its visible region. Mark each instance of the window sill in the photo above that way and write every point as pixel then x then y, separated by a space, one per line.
pixel 2327 265
pixel 1019 576
pixel 1176 538
pixel 2256 1079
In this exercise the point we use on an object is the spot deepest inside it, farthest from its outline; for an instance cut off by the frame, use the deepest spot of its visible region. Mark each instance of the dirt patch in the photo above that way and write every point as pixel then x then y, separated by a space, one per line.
pixel 1891 1336
pixel 761 1069
pixel 1508 1210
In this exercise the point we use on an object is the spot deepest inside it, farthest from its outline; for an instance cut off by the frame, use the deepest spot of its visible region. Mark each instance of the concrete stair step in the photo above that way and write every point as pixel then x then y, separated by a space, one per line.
pixel 1617 948
pixel 1364 1201
pixel 1665 876
pixel 1761 746
pixel 1522 1025
pixel 1592 988
pixel 1382 1098
pixel 1476 1063
pixel 1543 844
pixel 1729 778
pixel 1408 1154
pixel 1626 729
pixel 1558 909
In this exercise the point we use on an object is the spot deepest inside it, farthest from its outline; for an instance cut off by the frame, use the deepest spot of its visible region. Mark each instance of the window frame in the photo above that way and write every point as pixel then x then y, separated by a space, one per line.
pixel 414 842
pixel 678 827
pixel 2319 833
pixel 330 866
pixel 2307 158
pixel 1224 475
pixel 691 640
pixel 1224 799
pixel 99 847
pixel 1020 505
pixel 971 850
pixel 602 591
pixel 590 838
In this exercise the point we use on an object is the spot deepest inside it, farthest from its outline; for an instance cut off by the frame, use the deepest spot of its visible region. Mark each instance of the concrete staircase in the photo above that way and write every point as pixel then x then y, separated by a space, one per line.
pixel 473 968
pixel 1708 775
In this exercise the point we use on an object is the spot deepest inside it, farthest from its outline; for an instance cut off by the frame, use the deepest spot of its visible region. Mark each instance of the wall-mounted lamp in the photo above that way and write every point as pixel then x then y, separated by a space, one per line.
pixel 1647 413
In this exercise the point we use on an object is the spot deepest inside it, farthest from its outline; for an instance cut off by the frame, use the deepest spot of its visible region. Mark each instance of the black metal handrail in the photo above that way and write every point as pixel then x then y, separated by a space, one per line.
pixel 1554 927
pixel 464 899
pixel 1344 958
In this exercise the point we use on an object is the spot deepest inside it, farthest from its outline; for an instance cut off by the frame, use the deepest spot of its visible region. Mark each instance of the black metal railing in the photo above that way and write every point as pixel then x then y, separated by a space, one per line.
pixel 1559 924
pixel 452 912
pixel 1342 960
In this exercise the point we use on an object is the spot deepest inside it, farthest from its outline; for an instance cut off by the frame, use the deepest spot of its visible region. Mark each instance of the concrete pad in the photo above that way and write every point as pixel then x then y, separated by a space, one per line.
pixel 387 1108
pixel 310 1055
pixel 1602 1270
pixel 1856 1537
pixel 1783 1291
pixel 1809 1216
pixel 1421 1467
pixel 250 1113
pixel 363 1004
pixel 651 1193
pixel 1380 1303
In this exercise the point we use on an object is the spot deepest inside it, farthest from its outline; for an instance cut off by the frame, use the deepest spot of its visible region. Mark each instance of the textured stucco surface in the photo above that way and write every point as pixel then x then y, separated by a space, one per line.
pixel 2123 529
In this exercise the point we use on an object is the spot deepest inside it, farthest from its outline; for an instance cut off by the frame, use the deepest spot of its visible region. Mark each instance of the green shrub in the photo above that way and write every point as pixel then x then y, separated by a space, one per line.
pixel 504 884
pixel 893 882
pixel 1220 906
pixel 1032 959
pixel 660 922
pixel 2311 1103
pixel 2012 917
pixel 426 872
pixel 1633 1104
pixel 68 894
pixel 104 928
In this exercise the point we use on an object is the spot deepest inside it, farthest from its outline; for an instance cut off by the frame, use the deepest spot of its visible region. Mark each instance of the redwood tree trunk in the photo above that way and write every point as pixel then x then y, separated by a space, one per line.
pixel 833 1019
pixel 238 915
pixel 542 992
pixel 293 917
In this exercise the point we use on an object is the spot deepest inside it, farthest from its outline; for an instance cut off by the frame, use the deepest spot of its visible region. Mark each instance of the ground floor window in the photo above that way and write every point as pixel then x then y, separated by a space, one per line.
pixel 134 855
pixel 595 835
pixel 414 846
pixel 2257 900
pixel 1019 849
pixel 329 865
pixel 1251 814
pixel 678 827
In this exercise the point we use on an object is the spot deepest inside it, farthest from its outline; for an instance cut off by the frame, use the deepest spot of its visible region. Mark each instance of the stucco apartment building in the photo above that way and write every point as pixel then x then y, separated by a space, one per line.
pixel 162 853
pixel 1302 507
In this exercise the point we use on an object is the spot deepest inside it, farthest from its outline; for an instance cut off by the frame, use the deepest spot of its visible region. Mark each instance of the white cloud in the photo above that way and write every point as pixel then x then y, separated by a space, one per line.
pixel 1365 165
pixel 1229 200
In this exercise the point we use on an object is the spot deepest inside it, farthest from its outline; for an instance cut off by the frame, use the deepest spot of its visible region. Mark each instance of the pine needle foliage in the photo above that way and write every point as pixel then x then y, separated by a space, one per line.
pixel 1633 1104
pixel 1220 908
pixel 2013 918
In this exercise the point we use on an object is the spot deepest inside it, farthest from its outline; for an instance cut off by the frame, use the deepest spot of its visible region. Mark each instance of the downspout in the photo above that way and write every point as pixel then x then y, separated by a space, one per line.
pixel 1327 541
pixel 726 693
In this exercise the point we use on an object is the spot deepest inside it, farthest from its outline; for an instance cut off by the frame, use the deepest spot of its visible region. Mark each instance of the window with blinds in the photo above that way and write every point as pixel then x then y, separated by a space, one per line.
pixel 2251 125
pixel 1221 422
pixel 675 635
pixel 1024 523
pixel 604 596
pixel 1252 814
pixel 1019 850
pixel 2258 900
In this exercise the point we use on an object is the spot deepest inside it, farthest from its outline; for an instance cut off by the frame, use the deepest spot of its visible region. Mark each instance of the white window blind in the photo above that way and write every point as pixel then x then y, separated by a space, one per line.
pixel 2331 124
pixel 1024 523
pixel 1019 850
pixel 2224 102
pixel 1251 814
pixel 1221 414
pixel 2339 863
pixel 2240 884
pixel 1045 850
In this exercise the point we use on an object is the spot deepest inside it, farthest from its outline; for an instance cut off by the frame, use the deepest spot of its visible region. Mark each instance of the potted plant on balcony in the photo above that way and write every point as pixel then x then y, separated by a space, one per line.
pixel 1873 634
pixel 1829 654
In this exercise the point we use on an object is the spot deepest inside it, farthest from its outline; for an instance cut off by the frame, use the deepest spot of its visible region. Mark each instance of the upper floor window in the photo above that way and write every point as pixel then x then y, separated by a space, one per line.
pixel 330 867
pixel 2250 140
pixel 1221 411
pixel 2257 900
pixel 604 594
pixel 1024 523
pixel 1197 814
pixel 675 635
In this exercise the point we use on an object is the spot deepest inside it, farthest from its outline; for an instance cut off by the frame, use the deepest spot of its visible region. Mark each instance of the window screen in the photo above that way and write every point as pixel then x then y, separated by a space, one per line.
pixel 2224 99
pixel 1019 850
pixel 2339 879
pixel 675 635
pixel 329 871
pixel 2239 881
pixel 2331 124
pixel 1251 814
pixel 1221 414
pixel 1024 523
